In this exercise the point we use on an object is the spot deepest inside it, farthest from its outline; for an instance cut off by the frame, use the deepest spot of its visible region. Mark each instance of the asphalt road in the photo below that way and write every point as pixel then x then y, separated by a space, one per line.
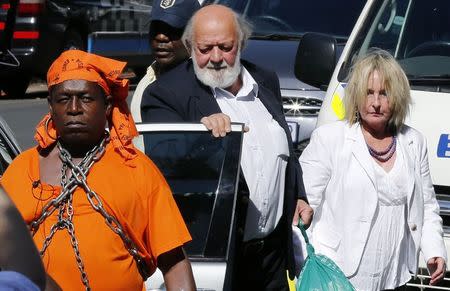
pixel 23 115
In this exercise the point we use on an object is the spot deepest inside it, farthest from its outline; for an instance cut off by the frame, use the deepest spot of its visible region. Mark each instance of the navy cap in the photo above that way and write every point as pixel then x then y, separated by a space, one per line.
pixel 176 13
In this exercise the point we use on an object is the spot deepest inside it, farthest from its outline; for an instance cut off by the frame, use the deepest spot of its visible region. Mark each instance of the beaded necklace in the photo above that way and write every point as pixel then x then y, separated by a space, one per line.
pixel 381 155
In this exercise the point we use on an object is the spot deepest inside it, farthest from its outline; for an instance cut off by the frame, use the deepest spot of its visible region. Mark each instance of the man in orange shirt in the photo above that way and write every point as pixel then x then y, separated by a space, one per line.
pixel 97 206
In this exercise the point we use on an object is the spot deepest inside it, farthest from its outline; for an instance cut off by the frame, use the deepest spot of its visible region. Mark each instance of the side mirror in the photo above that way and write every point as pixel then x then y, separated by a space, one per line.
pixel 316 59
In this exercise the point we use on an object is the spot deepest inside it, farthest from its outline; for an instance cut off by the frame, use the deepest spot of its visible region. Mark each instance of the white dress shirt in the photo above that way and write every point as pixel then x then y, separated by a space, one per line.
pixel 264 156
pixel 135 106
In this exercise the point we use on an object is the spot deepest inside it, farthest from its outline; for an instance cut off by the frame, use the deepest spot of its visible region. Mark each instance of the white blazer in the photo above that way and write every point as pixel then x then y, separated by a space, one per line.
pixel 341 188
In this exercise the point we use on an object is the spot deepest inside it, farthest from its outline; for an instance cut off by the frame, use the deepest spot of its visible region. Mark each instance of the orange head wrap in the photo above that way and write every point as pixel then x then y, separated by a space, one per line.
pixel 79 65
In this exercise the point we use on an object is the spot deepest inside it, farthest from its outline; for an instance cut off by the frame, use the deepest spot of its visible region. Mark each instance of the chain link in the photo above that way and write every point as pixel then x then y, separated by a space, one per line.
pixel 63 203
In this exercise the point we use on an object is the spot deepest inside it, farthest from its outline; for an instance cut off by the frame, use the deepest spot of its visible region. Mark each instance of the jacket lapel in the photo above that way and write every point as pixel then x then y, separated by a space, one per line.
pixel 266 95
pixel 271 106
pixel 361 153
pixel 274 108
pixel 206 104
pixel 407 145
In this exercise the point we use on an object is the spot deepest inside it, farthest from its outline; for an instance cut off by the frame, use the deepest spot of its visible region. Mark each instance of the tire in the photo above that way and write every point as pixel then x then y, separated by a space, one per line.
pixel 73 39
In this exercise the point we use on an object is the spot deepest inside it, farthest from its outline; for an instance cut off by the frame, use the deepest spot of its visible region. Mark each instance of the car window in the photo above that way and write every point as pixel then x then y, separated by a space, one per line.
pixel 417 33
pixel 5 157
pixel 296 17
pixel 9 148
pixel 202 172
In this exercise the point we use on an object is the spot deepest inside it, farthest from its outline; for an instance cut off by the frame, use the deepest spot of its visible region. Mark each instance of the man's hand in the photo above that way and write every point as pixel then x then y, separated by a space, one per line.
pixel 219 124
pixel 436 266
pixel 304 211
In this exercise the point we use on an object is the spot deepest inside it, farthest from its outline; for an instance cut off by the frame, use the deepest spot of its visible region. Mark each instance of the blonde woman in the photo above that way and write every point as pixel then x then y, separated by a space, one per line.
pixel 367 179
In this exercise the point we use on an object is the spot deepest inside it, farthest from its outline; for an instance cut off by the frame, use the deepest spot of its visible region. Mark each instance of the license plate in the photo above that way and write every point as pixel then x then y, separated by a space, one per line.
pixel 293 128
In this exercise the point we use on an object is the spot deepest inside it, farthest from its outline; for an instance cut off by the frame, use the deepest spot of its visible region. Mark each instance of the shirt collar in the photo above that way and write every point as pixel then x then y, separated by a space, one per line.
pixel 249 87
pixel 151 70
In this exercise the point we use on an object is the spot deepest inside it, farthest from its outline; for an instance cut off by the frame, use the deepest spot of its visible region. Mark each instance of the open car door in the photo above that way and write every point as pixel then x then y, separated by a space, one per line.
pixel 203 173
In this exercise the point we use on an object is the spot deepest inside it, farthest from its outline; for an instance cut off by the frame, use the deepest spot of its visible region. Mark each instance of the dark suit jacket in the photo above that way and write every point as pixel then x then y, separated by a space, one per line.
pixel 178 96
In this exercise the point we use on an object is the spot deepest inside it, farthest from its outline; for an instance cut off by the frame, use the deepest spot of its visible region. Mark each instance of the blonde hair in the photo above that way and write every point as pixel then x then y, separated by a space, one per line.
pixel 394 80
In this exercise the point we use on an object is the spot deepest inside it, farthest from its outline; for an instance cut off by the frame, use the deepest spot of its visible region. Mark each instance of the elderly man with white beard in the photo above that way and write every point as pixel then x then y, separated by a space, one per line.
pixel 216 88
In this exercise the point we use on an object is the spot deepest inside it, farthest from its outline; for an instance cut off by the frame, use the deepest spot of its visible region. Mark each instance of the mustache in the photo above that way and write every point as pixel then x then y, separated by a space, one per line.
pixel 217 66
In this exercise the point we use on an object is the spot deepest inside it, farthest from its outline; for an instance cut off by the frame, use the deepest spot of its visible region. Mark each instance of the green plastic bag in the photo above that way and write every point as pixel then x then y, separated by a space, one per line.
pixel 320 273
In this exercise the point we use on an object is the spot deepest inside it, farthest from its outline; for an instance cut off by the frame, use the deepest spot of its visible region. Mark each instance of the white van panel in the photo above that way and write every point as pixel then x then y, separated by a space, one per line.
pixel 431 116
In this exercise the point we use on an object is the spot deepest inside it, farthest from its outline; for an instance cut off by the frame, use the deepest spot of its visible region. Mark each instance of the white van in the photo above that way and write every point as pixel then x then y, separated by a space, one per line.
pixel 417 33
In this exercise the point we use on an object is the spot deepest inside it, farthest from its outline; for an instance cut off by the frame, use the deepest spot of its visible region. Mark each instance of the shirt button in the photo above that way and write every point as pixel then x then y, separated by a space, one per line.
pixel 413 227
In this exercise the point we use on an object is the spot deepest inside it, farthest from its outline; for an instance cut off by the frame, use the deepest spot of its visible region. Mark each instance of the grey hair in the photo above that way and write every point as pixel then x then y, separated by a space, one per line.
pixel 244 31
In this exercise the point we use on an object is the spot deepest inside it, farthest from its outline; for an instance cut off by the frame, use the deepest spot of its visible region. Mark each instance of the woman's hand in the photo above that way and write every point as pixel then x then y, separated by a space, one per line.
pixel 436 267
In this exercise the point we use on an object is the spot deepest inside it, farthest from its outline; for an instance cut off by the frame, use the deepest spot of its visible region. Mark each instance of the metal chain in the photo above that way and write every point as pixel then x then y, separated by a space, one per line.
pixel 110 220
pixel 65 215
pixel 64 204
pixel 73 240
pixel 92 156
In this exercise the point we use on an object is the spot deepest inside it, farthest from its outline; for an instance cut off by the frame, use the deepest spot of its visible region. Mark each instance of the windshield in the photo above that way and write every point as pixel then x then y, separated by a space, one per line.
pixel 295 17
pixel 417 33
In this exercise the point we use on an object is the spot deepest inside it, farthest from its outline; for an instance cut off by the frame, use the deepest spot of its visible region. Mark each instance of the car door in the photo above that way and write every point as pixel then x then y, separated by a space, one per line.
pixel 203 173
pixel 9 148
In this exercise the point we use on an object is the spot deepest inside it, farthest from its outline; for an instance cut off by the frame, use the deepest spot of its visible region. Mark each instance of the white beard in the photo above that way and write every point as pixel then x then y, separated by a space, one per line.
pixel 218 76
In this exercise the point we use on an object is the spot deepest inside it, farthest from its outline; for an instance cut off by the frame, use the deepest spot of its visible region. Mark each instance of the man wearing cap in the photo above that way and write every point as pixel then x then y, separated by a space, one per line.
pixel 168 19
pixel 101 213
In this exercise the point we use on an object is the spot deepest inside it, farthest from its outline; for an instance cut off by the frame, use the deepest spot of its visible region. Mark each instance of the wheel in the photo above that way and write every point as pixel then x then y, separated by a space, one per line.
pixel 73 39
pixel 441 48
pixel 15 88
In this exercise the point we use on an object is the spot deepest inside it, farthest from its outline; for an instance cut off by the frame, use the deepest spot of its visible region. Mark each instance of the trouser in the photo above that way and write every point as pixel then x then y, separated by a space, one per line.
pixel 261 263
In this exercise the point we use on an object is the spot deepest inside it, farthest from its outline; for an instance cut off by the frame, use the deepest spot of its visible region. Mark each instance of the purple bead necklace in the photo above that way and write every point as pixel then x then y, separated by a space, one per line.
pixel 381 155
